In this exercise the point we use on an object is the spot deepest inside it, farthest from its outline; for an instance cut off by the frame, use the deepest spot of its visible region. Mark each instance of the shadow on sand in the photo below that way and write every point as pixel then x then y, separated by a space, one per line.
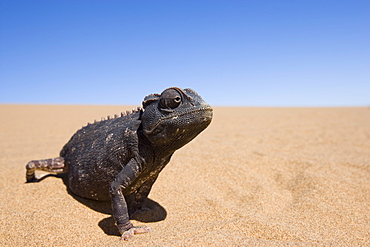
pixel 154 211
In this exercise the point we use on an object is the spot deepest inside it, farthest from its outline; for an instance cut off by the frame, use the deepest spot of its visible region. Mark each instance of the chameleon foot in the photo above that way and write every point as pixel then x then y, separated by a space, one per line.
pixel 135 230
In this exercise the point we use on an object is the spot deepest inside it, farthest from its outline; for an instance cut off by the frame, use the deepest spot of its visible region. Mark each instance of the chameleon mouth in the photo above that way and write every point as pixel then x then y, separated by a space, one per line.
pixel 206 111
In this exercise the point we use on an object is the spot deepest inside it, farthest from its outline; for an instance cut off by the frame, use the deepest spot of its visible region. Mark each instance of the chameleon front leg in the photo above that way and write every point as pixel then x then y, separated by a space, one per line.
pixel 120 212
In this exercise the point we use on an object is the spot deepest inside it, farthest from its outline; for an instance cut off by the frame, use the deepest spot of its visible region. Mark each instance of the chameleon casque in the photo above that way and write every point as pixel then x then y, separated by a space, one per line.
pixel 120 158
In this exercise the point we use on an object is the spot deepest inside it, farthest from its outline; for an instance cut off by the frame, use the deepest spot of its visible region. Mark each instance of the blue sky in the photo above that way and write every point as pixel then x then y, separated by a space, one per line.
pixel 233 53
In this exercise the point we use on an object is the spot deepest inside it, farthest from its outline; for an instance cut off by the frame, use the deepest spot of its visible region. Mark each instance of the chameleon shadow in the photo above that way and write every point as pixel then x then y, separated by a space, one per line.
pixel 153 212
pixel 42 177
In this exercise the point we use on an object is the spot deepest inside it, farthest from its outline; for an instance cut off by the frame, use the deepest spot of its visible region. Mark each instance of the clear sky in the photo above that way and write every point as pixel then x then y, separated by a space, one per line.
pixel 233 53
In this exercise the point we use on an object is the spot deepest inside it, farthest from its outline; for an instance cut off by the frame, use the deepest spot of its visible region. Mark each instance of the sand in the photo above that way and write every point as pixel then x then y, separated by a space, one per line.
pixel 255 177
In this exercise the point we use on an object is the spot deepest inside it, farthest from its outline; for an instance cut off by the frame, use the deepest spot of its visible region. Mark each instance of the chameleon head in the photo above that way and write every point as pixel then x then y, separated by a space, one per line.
pixel 174 117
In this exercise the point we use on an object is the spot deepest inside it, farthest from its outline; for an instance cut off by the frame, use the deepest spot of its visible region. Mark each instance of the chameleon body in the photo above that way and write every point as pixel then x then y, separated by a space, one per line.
pixel 120 158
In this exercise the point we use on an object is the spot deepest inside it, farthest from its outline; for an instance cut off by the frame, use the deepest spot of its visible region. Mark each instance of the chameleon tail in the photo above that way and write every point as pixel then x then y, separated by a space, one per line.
pixel 54 165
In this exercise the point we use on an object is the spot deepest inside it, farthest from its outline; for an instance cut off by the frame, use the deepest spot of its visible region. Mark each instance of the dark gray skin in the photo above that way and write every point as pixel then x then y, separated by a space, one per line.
pixel 119 159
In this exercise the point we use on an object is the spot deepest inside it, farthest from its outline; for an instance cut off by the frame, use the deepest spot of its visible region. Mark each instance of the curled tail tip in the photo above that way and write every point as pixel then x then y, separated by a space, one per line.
pixel 54 165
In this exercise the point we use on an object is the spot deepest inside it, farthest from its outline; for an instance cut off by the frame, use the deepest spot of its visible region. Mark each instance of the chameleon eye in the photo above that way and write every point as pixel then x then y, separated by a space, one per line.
pixel 170 99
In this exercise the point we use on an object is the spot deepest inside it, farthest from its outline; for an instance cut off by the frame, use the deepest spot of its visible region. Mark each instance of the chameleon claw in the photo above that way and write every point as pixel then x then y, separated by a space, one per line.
pixel 135 230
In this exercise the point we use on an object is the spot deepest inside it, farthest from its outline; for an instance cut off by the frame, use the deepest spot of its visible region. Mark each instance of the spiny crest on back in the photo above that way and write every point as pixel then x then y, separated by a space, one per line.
pixel 147 101
pixel 123 114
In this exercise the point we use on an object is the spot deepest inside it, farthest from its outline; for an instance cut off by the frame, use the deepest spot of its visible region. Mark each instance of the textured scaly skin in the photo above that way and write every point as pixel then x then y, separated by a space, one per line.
pixel 119 159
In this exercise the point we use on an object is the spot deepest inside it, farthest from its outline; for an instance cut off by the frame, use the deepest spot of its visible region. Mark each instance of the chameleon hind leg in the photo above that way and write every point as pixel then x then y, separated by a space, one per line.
pixel 54 165
pixel 135 201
